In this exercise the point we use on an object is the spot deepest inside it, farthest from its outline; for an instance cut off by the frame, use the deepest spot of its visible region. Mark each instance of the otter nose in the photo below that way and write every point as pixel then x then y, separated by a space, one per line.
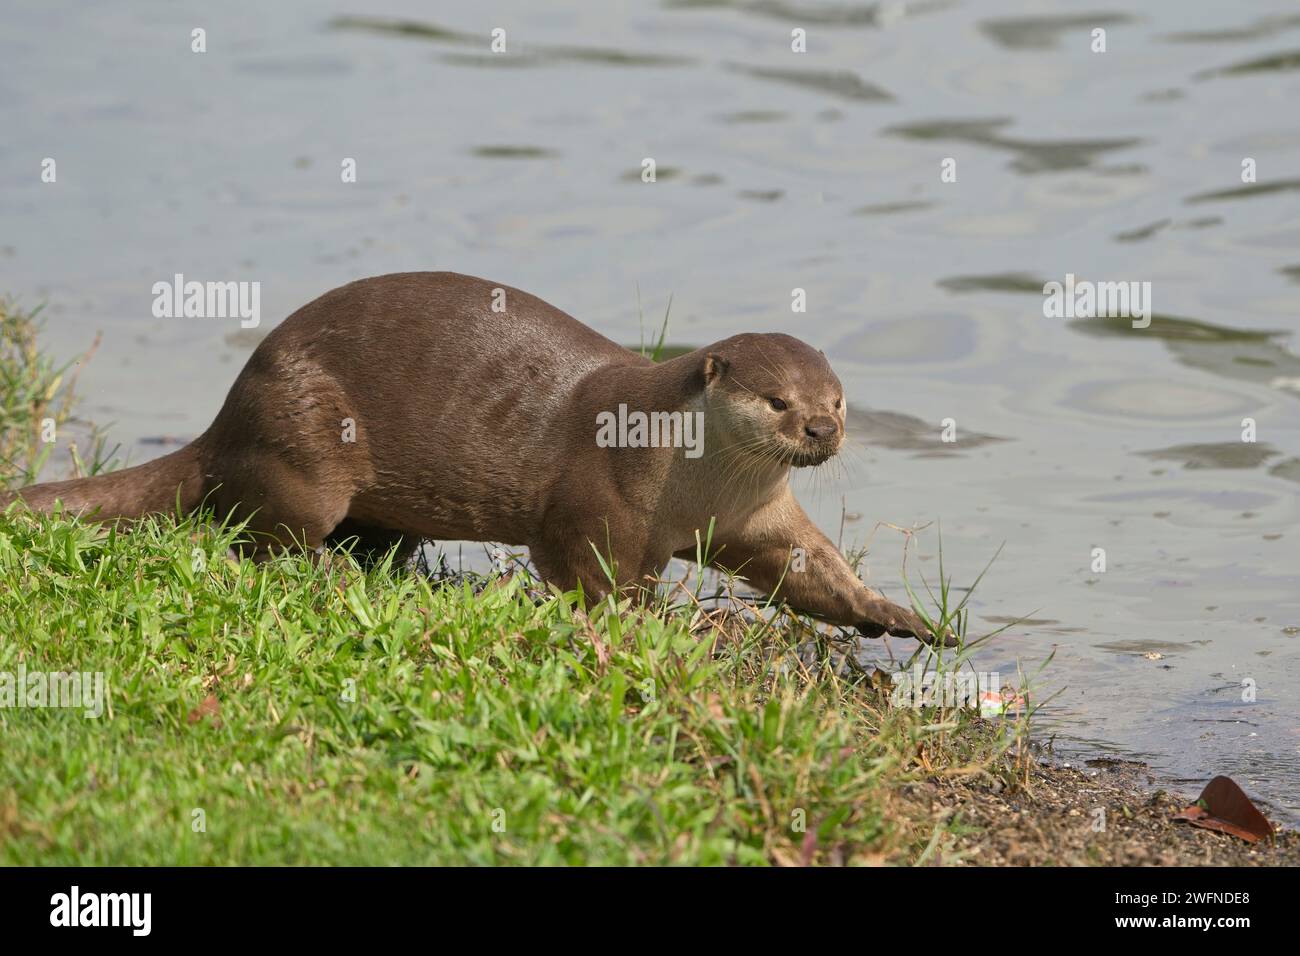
pixel 821 428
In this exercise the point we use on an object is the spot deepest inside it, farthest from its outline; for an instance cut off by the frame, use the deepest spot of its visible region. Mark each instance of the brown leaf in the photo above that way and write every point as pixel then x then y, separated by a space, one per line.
pixel 598 645
pixel 211 707
pixel 1225 808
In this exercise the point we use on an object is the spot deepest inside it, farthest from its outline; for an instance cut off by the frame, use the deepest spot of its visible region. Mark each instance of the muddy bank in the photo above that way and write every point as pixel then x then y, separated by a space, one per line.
pixel 1054 822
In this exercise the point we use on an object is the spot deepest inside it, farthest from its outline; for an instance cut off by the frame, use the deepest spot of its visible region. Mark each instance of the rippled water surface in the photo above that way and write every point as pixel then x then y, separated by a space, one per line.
pixel 818 171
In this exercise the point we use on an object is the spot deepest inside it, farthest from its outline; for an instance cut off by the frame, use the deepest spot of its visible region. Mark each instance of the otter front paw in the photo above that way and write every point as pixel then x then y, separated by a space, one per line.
pixel 885 616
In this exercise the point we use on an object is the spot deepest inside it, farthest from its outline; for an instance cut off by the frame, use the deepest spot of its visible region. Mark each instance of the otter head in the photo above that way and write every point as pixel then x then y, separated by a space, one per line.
pixel 775 398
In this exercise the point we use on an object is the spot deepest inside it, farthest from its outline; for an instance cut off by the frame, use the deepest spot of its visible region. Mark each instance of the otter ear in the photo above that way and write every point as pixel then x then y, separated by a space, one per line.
pixel 715 366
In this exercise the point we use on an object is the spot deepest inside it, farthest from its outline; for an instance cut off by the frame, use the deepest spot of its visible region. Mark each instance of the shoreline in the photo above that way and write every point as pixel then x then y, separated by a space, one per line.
pixel 1054 822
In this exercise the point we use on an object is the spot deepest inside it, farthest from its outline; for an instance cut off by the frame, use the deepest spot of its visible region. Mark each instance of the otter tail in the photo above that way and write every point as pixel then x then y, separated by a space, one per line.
pixel 152 488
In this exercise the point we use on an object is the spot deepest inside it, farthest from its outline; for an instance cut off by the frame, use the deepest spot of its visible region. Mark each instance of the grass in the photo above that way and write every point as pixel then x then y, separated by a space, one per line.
pixel 36 402
pixel 317 713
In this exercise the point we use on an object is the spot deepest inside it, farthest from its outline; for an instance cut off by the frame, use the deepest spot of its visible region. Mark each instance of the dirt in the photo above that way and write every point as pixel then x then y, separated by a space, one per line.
pixel 1055 821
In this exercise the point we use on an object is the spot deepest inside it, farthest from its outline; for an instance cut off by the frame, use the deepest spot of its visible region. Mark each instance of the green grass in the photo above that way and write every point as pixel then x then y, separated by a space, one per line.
pixel 314 713
pixel 379 718
pixel 36 402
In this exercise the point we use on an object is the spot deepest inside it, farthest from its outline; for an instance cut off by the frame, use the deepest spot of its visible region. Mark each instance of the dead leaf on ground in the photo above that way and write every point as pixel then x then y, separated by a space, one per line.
pixel 211 707
pixel 598 645
pixel 1224 807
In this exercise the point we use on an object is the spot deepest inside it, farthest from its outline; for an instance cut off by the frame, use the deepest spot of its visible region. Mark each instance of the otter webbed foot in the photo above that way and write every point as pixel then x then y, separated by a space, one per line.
pixel 887 617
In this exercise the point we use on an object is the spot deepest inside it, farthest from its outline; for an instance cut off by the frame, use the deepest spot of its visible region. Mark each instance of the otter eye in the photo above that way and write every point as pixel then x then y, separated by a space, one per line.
pixel 838 403
pixel 776 403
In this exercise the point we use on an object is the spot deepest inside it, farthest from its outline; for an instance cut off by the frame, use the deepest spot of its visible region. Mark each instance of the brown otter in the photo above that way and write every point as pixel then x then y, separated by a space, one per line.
pixel 436 405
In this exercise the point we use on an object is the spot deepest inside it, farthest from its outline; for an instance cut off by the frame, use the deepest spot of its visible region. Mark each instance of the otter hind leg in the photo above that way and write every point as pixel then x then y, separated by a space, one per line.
pixel 370 544
pixel 284 508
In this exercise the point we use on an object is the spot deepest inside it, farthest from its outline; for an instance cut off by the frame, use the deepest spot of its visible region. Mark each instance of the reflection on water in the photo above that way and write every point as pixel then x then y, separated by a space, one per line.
pixel 839 83
pixel 890 208
pixel 775 171
pixel 903 432
pixel 1263 29
pixel 1230 455
pixel 1248 192
pixel 512 152
pixel 1245 354
pixel 533 56
pixel 1043 33
pixel 1216 454
pixel 999 282
pixel 1146 232
pixel 419 29
pixel 1263 64
pixel 813 13
pixel 1031 156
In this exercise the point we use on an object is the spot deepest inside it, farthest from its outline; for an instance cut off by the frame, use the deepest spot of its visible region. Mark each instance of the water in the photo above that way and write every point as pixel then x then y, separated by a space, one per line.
pixel 818 171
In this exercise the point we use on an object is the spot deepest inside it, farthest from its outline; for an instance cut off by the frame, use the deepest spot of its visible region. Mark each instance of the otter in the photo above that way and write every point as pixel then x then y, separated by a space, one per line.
pixel 437 405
